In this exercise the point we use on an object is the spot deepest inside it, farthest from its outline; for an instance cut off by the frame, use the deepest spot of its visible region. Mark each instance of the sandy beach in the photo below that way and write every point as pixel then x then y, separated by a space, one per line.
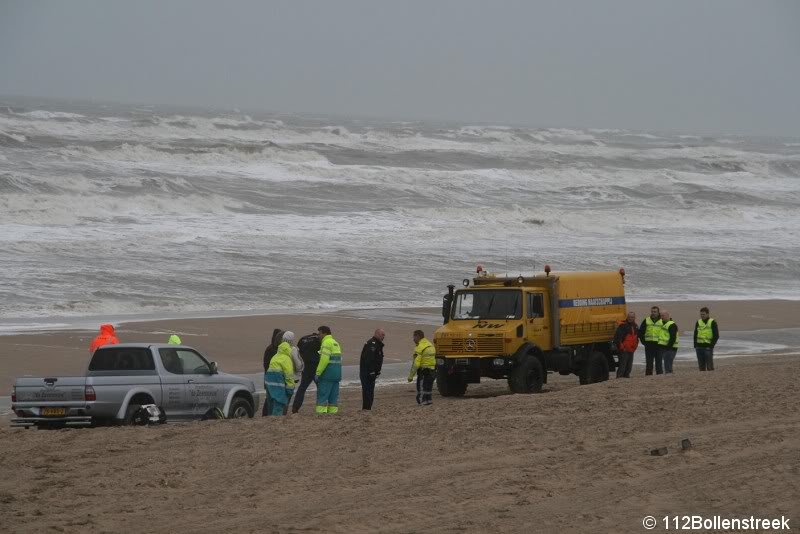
pixel 572 459
pixel 237 343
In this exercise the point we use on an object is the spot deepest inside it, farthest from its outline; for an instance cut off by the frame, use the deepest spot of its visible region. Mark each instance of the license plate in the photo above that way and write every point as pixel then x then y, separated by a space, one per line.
pixel 54 412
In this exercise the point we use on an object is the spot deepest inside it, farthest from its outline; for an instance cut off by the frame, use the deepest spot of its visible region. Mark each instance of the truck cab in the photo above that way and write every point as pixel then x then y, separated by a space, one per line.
pixel 520 328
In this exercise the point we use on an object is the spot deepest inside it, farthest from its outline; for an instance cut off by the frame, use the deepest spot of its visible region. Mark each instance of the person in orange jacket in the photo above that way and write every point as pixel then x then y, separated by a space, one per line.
pixel 627 340
pixel 107 336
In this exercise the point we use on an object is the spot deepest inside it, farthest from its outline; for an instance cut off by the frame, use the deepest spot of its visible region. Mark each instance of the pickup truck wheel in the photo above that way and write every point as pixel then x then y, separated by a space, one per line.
pixel 240 408
pixel 130 412
pixel 595 369
pixel 450 385
pixel 527 376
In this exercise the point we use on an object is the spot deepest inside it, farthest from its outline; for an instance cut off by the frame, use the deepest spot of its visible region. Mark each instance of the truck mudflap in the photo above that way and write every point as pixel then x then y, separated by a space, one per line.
pixel 70 420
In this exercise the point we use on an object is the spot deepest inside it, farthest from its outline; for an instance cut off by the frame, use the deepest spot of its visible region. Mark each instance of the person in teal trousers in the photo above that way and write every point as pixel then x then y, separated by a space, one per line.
pixel 280 376
pixel 329 373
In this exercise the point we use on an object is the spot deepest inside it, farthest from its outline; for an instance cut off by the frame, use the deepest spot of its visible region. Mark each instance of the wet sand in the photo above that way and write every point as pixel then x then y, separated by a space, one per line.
pixel 237 343
pixel 572 459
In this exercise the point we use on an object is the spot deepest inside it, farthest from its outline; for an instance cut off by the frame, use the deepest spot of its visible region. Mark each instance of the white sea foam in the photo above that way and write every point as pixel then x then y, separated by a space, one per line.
pixel 171 213
pixel 47 115
pixel 16 137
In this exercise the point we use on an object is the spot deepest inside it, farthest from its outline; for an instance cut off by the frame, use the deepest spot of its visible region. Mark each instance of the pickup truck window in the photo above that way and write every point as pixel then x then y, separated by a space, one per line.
pixel 122 359
pixel 183 362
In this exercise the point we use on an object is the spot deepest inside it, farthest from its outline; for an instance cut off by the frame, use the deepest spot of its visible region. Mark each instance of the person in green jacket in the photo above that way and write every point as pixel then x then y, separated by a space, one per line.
pixel 280 376
pixel 174 340
pixel 329 373
pixel 423 367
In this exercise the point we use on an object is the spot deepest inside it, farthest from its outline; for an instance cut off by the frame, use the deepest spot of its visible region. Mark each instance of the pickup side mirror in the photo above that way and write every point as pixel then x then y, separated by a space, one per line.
pixel 213 367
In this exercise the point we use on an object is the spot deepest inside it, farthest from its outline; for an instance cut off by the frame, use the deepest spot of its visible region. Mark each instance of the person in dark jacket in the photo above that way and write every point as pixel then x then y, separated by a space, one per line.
pixel 309 351
pixel 649 334
pixel 370 367
pixel 706 335
pixel 269 352
pixel 627 340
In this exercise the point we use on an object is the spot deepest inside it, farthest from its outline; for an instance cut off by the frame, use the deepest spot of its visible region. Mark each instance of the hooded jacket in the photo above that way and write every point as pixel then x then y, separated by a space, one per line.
pixel 272 348
pixel 282 363
pixel 107 336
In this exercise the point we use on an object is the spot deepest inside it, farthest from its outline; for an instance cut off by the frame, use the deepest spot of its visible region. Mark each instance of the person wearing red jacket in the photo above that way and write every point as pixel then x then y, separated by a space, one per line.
pixel 107 336
pixel 627 341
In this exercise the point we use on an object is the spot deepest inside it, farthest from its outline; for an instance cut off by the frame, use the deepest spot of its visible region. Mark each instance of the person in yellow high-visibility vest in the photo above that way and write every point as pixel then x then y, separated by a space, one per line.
pixel 329 372
pixel 423 367
pixel 649 334
pixel 668 340
pixel 280 376
pixel 706 335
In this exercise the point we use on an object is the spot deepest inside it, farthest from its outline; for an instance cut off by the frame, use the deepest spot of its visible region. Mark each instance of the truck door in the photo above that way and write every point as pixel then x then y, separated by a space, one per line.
pixel 203 390
pixel 173 384
pixel 536 317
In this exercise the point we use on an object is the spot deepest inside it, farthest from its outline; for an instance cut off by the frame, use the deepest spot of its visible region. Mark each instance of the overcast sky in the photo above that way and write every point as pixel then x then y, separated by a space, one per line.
pixel 702 66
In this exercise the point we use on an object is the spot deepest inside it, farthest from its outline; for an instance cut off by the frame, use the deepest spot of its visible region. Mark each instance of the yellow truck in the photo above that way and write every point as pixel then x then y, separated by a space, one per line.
pixel 521 328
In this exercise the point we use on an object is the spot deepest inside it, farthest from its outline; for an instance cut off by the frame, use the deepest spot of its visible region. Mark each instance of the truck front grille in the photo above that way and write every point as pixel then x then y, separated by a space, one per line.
pixel 470 345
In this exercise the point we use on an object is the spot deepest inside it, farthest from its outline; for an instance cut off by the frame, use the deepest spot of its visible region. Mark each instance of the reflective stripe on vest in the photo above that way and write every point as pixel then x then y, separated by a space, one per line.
pixel 705 334
pixel 664 338
pixel 335 359
pixel 652 333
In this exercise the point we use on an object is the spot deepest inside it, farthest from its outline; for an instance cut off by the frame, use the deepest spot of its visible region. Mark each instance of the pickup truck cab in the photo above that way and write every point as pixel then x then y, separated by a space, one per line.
pixel 123 377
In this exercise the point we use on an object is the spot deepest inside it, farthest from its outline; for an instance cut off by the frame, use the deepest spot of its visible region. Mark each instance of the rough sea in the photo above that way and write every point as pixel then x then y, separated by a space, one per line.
pixel 108 210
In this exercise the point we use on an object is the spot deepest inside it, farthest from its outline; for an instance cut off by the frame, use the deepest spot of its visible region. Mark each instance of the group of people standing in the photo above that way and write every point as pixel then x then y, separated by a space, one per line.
pixel 660 336
pixel 317 358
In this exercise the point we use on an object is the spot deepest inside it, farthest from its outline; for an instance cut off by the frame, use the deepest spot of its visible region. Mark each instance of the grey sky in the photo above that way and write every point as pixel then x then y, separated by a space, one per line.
pixel 703 66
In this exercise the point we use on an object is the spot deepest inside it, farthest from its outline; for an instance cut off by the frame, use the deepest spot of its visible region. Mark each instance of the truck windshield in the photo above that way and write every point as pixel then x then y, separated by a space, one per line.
pixel 488 304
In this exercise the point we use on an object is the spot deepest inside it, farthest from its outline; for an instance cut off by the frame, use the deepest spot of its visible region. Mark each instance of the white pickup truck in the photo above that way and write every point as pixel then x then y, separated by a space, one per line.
pixel 121 378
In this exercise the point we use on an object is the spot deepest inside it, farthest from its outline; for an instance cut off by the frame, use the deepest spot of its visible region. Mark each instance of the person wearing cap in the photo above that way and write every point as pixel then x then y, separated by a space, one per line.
pixel 706 335
pixel 280 376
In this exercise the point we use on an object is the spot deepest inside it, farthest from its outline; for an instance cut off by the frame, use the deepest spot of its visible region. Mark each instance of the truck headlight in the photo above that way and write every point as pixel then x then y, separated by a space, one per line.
pixel 439 361
pixel 498 362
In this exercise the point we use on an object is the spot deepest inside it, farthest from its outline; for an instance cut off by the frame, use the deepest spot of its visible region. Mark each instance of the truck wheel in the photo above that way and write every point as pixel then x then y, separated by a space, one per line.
pixel 450 385
pixel 595 369
pixel 527 376
pixel 240 408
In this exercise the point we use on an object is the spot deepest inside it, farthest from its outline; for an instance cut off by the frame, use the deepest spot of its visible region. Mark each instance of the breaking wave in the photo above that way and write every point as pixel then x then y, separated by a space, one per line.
pixel 131 210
